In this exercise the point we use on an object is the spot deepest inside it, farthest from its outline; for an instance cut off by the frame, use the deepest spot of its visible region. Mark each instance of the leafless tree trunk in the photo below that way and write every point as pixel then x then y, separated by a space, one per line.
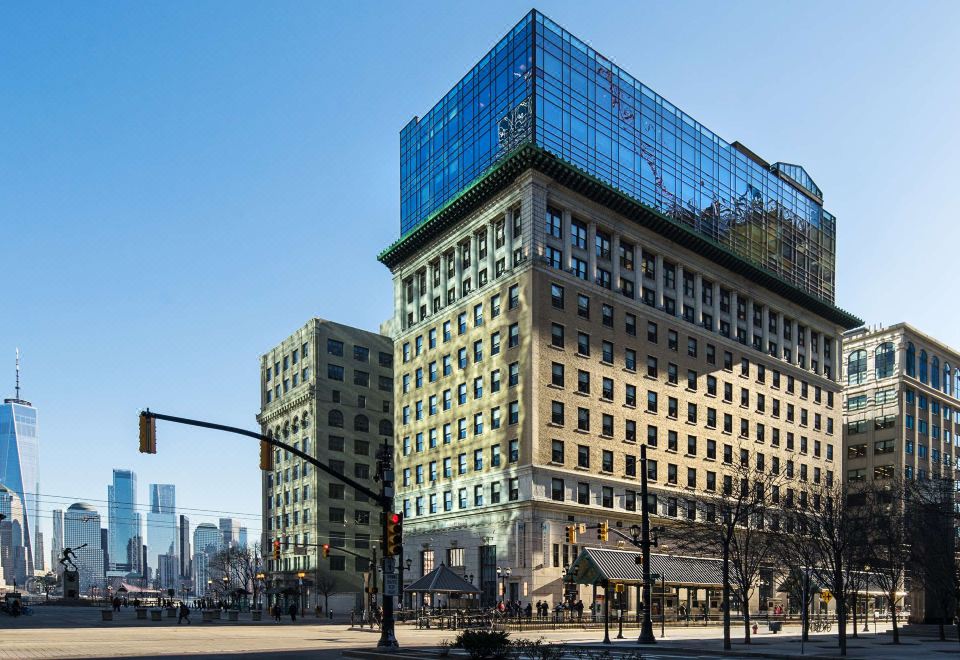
pixel 733 523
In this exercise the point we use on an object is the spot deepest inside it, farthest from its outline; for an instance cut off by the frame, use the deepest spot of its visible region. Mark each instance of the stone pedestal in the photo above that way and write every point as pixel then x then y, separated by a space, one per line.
pixel 156 615
pixel 70 581
pixel 141 612
pixel 208 616
pixel 233 615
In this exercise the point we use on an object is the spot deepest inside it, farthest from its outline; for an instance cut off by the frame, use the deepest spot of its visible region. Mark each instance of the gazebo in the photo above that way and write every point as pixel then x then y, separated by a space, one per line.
pixel 442 580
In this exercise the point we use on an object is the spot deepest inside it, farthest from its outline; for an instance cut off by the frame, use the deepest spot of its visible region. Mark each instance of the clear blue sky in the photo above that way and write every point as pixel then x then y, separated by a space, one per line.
pixel 183 184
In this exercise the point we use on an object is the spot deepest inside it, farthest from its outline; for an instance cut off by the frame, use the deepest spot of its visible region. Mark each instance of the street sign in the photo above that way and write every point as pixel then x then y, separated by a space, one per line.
pixel 825 596
pixel 389 565
pixel 390 584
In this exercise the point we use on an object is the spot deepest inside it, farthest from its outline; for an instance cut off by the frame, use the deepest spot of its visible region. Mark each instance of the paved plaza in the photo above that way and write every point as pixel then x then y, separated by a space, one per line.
pixel 61 632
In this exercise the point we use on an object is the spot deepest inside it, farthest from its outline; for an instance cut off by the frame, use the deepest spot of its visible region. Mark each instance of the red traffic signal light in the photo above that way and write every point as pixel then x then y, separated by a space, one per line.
pixel 326 550
pixel 276 550
pixel 393 544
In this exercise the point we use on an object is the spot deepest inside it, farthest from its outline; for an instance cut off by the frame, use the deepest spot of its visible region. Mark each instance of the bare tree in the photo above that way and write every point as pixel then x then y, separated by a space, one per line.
pixel 933 520
pixel 326 585
pixel 733 523
pixel 884 504
pixel 827 539
pixel 239 565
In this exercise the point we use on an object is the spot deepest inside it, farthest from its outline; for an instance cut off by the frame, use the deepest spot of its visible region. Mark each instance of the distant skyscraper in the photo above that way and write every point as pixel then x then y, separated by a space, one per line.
pixel 230 532
pixel 19 463
pixel 184 549
pixel 13 558
pixel 124 521
pixel 207 541
pixel 38 559
pixel 242 537
pixel 105 546
pixel 57 542
pixel 161 524
pixel 81 527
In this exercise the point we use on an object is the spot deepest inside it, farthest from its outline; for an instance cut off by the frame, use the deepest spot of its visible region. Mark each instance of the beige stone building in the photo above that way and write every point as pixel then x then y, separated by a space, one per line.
pixel 543 335
pixel 327 389
pixel 901 410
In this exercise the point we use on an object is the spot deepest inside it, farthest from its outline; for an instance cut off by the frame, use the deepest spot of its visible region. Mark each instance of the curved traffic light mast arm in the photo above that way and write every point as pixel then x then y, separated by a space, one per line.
pixel 376 497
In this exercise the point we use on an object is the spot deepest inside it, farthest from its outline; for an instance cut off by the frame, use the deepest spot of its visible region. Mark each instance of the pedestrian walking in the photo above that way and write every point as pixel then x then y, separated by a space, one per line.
pixel 276 612
pixel 293 612
pixel 184 613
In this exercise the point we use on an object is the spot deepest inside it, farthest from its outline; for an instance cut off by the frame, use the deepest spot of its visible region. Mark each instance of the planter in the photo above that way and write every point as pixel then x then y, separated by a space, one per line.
pixel 257 615
pixel 156 615
pixel 233 615
pixel 106 614
pixel 171 612
pixel 141 612
pixel 207 616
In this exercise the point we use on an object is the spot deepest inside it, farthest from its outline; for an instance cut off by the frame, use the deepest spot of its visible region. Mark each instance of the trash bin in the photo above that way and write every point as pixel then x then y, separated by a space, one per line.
pixel 156 615
pixel 141 612
pixel 775 626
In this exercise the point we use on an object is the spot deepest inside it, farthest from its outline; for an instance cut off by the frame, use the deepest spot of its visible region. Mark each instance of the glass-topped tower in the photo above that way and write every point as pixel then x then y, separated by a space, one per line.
pixel 542 87
pixel 20 465
pixel 81 527
pixel 124 520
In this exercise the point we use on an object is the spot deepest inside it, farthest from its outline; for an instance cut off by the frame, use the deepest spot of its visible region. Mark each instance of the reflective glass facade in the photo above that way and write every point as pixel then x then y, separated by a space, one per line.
pixel 542 85
pixel 161 524
pixel 125 536
pixel 81 525
pixel 20 467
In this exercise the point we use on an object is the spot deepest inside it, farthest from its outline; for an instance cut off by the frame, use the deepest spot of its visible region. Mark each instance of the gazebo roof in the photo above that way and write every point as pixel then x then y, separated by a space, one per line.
pixel 442 580
pixel 593 565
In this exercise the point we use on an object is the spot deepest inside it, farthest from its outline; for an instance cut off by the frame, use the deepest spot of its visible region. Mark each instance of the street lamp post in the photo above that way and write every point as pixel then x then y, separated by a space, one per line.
pixel 646 632
pixel 503 574
pixel 300 576
pixel 866 600
pixel 226 587
pixel 260 578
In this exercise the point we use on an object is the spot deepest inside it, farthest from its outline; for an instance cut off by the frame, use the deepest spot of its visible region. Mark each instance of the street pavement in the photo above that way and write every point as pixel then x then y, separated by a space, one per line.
pixel 64 632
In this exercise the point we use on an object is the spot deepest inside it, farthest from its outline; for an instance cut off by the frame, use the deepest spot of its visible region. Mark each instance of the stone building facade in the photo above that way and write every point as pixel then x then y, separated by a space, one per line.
pixel 327 389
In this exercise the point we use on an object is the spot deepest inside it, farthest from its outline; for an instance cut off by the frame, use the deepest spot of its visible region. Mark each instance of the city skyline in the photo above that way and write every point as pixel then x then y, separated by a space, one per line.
pixel 103 147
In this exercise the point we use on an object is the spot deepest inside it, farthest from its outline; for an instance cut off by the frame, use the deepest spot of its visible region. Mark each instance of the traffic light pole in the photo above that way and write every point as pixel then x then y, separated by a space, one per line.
pixel 646 632
pixel 384 498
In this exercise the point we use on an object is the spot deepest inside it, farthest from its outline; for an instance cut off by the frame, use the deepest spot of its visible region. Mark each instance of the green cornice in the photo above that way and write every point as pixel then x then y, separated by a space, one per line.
pixel 529 156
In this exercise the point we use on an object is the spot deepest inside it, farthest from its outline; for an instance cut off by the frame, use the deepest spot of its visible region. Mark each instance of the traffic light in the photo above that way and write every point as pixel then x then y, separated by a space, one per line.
pixel 276 550
pixel 325 548
pixel 571 534
pixel 266 456
pixel 618 588
pixel 394 540
pixel 603 531
pixel 148 433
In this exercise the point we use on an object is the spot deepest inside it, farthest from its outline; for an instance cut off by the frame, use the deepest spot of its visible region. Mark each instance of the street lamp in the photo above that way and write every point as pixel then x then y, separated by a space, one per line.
pixel 300 576
pixel 642 538
pixel 260 578
pixel 503 574
pixel 866 600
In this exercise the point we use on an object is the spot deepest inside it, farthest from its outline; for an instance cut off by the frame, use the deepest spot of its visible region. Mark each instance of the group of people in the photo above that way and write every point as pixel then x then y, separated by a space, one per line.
pixel 277 611
pixel 515 609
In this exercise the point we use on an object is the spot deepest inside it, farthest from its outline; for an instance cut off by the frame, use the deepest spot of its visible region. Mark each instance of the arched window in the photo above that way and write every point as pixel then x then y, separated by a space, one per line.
pixel 386 428
pixel 296 424
pixel 305 422
pixel 335 419
pixel 857 367
pixel 956 383
pixel 883 360
pixel 935 373
pixel 923 366
pixel 361 423
pixel 911 361
pixel 947 380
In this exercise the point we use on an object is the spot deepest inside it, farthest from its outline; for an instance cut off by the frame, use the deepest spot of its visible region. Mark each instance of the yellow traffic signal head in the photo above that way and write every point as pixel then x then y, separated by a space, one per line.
pixel 266 456
pixel 276 549
pixel 148 433
pixel 603 531
pixel 394 537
